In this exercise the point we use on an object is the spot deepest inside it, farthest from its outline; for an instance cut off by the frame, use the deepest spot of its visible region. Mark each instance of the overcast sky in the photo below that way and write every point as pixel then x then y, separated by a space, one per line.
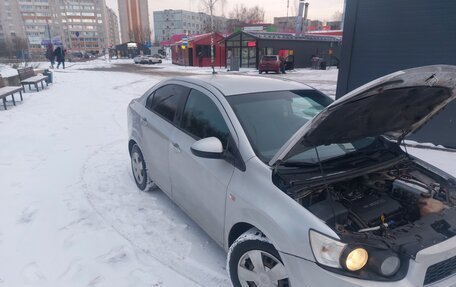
pixel 318 9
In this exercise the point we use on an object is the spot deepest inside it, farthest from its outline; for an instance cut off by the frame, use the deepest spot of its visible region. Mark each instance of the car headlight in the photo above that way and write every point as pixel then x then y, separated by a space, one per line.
pixel 350 257
pixel 354 259
pixel 327 251
pixel 385 263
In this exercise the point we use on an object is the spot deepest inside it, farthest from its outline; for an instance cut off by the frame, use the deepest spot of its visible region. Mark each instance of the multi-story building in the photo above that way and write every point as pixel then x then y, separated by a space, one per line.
pixel 171 22
pixel 134 21
pixel 82 23
pixel 78 25
pixel 12 36
pixel 285 24
pixel 39 22
pixel 113 28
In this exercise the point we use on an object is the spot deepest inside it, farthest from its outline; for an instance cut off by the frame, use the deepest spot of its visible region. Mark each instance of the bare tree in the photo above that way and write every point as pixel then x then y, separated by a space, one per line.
pixel 239 13
pixel 256 14
pixel 146 35
pixel 209 5
pixel 222 7
pixel 131 36
pixel 13 46
pixel 243 14
pixel 337 16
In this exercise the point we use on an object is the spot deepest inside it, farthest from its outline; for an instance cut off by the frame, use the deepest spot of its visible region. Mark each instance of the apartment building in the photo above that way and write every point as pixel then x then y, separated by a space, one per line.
pixel 39 22
pixel 285 24
pixel 113 27
pixel 78 25
pixel 172 22
pixel 82 24
pixel 11 27
pixel 134 21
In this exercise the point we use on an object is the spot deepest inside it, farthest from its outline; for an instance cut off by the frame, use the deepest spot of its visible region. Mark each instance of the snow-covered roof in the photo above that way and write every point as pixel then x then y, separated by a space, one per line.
pixel 288 36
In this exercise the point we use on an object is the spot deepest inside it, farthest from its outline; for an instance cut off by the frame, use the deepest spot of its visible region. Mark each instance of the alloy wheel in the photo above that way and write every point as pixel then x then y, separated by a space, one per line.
pixel 138 167
pixel 258 268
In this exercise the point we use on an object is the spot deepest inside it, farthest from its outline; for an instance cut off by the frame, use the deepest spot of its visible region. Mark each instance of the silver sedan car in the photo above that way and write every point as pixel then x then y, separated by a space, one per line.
pixel 301 190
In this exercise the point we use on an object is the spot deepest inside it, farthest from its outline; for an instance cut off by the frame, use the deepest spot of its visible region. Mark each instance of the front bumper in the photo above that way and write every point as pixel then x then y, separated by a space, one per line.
pixel 308 274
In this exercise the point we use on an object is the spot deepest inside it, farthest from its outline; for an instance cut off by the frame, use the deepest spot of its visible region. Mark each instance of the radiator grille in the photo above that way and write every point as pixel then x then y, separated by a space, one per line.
pixel 440 270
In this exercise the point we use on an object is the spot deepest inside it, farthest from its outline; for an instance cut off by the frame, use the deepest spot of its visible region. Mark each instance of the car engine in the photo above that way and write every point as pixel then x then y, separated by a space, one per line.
pixel 376 202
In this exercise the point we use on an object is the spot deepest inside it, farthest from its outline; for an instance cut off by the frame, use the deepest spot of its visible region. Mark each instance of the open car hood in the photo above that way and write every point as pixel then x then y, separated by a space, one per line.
pixel 394 105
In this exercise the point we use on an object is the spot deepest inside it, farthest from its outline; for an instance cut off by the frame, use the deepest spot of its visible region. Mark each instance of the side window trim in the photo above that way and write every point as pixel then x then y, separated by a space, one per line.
pixel 176 119
pixel 216 106
pixel 232 141
pixel 149 101
pixel 219 105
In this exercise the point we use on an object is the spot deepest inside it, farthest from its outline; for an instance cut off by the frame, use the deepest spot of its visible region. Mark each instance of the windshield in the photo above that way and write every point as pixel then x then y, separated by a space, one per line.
pixel 270 119
pixel 269 58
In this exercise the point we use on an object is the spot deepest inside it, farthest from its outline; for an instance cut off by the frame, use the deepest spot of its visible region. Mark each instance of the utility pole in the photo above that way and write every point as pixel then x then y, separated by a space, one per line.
pixel 343 15
pixel 288 7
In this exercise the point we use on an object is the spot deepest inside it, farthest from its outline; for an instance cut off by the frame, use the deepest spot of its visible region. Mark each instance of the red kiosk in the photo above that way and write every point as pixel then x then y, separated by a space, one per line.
pixel 198 51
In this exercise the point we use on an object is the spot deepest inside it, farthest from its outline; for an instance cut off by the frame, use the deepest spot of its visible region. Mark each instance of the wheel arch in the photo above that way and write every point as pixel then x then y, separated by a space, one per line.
pixel 237 230
pixel 131 143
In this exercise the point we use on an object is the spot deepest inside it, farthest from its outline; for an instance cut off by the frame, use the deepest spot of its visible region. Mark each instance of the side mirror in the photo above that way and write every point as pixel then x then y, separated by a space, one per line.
pixel 208 148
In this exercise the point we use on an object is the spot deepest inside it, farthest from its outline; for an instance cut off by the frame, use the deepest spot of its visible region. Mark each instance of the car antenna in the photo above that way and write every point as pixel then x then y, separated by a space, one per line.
pixel 330 199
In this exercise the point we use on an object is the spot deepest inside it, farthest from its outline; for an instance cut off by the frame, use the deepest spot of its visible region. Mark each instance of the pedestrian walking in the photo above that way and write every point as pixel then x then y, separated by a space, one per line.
pixel 60 56
pixel 200 58
pixel 50 55
pixel 282 65
pixel 315 61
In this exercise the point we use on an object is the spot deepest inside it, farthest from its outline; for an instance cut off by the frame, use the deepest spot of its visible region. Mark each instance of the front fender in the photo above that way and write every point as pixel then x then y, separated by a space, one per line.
pixel 254 199
pixel 134 123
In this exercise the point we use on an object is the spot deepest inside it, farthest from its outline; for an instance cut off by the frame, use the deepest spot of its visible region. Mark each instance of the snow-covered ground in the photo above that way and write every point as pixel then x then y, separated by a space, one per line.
pixel 70 213
pixel 7 71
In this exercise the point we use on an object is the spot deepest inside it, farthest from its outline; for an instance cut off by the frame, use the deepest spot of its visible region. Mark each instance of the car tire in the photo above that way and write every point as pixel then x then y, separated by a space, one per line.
pixel 252 259
pixel 261 72
pixel 139 169
pixel 267 72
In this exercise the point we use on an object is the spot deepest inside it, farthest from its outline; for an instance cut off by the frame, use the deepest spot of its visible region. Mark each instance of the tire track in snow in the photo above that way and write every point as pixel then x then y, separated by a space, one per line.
pixel 195 273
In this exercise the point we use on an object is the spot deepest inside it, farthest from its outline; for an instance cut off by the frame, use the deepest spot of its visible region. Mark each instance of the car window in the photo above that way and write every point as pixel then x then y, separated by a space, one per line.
pixel 269 58
pixel 165 101
pixel 202 118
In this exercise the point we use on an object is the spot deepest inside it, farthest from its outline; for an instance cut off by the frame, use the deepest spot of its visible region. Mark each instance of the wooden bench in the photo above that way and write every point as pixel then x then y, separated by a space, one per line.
pixel 27 77
pixel 6 91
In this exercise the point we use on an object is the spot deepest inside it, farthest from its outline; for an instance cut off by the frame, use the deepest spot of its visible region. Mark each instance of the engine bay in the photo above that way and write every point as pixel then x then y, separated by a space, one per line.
pixel 406 207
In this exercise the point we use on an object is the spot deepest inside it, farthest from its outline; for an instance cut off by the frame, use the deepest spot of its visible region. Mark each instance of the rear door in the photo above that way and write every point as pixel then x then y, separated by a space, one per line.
pixel 157 127
pixel 199 184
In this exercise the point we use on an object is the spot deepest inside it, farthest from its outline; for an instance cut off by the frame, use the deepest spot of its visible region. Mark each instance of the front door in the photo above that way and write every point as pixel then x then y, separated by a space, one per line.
pixel 199 185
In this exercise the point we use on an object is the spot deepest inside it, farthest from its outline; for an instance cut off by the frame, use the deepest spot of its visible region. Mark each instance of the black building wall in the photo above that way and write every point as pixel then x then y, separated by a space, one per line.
pixel 381 37
pixel 131 52
pixel 303 50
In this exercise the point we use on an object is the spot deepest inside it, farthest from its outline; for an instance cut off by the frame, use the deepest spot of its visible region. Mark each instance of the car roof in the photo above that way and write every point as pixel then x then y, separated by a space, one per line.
pixel 230 85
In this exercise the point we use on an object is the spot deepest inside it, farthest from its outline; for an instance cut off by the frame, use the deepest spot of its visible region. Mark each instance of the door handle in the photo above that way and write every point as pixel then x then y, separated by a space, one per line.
pixel 176 147
pixel 144 121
